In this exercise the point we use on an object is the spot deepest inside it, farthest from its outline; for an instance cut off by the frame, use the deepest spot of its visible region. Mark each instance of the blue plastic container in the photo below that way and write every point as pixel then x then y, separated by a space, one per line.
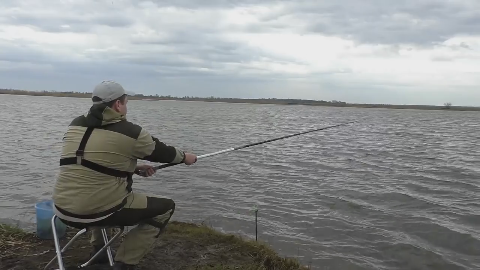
pixel 44 212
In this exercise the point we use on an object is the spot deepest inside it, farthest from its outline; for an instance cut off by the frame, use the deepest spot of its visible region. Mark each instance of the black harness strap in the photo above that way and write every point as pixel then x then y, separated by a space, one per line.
pixel 81 148
pixel 80 160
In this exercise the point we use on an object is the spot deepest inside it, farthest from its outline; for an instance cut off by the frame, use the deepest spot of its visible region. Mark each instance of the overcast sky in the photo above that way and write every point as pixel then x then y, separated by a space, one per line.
pixel 365 51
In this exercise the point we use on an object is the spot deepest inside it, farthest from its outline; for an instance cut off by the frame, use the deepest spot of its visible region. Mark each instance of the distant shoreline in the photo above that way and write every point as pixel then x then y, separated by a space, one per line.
pixel 251 101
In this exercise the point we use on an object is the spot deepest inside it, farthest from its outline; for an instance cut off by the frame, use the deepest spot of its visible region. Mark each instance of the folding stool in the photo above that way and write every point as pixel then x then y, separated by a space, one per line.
pixel 60 250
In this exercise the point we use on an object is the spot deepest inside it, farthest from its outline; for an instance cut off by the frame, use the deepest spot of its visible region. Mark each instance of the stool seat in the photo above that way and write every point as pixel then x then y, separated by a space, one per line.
pixel 83 229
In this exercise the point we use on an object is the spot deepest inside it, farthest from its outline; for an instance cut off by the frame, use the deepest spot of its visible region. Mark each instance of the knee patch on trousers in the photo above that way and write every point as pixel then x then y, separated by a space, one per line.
pixel 163 209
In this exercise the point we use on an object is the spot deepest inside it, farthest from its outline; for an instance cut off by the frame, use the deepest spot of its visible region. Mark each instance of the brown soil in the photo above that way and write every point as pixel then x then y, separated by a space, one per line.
pixel 182 246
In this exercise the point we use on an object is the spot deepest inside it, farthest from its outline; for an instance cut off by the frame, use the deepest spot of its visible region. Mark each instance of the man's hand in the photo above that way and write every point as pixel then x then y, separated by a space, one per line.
pixel 190 159
pixel 145 170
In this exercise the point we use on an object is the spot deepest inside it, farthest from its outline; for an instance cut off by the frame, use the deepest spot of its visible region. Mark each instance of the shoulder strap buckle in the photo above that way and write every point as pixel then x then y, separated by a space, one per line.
pixel 79 155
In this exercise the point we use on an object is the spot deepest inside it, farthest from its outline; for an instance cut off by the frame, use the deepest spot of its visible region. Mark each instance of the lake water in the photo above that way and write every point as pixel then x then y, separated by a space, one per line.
pixel 399 189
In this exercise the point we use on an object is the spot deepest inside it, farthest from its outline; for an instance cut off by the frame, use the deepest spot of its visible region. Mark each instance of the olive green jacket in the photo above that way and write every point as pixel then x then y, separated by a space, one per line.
pixel 114 143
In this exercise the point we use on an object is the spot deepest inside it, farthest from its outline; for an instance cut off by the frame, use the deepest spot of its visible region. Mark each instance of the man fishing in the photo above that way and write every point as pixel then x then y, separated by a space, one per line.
pixel 99 156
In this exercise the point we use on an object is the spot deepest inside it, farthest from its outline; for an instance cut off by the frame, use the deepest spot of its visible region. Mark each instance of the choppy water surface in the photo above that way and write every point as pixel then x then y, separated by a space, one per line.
pixel 400 189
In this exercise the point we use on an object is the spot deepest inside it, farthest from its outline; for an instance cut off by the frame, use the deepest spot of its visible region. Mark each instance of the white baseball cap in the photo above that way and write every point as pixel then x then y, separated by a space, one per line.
pixel 107 91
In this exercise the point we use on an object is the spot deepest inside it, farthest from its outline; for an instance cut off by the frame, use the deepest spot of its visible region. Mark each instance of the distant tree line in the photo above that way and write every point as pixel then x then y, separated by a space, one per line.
pixel 44 93
pixel 333 103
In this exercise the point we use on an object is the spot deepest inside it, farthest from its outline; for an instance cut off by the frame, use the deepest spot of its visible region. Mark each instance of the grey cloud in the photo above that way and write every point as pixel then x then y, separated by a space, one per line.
pixel 208 60
pixel 50 24
pixel 113 20
pixel 190 36
pixel 23 53
pixel 464 46
pixel 442 59
pixel 68 22
pixel 116 64
pixel 199 56
pixel 193 4
pixel 420 22
pixel 210 50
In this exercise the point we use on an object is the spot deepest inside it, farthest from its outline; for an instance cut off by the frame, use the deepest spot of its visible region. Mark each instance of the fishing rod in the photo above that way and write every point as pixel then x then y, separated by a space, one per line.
pixel 247 145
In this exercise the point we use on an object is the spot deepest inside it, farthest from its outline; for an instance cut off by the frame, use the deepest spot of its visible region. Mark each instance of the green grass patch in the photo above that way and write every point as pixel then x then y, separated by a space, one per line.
pixel 262 255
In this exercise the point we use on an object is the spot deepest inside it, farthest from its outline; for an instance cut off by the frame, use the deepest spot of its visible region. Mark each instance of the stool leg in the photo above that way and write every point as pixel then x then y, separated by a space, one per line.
pixel 64 248
pixel 109 249
pixel 57 244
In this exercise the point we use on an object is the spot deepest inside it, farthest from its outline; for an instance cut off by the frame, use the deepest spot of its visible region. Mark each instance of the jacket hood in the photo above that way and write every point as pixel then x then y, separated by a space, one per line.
pixel 101 115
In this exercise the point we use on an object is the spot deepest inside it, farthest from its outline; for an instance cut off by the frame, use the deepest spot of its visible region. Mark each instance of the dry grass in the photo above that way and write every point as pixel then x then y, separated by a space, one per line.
pixel 260 255
pixel 183 246
pixel 12 239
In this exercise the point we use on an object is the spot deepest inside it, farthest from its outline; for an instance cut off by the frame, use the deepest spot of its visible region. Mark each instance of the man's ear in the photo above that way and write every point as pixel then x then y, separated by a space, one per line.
pixel 116 105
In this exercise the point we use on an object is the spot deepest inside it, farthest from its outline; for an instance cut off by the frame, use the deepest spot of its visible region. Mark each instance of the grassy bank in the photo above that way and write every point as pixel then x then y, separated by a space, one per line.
pixel 446 106
pixel 183 246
